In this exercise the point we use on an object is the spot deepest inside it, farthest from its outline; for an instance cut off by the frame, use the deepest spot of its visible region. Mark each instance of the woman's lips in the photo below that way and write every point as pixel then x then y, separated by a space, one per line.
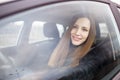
pixel 76 38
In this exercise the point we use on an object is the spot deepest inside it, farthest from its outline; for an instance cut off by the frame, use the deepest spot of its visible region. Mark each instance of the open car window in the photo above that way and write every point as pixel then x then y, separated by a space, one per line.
pixel 27 40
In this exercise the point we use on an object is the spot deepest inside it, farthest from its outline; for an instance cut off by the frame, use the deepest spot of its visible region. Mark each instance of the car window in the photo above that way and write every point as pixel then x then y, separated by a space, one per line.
pixel 37 32
pixel 9 33
pixel 27 40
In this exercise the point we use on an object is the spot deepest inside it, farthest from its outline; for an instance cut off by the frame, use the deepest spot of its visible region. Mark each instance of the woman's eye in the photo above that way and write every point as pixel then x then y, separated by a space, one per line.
pixel 85 30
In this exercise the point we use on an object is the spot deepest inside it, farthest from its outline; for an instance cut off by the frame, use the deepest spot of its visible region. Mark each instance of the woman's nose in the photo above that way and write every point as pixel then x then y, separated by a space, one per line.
pixel 78 32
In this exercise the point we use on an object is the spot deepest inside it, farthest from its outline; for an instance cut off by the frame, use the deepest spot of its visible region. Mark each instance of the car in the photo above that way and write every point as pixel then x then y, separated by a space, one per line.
pixel 31 29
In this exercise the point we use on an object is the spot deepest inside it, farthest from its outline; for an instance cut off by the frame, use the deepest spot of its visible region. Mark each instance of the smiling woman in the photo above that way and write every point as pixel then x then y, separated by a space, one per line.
pixel 78 38
pixel 80 31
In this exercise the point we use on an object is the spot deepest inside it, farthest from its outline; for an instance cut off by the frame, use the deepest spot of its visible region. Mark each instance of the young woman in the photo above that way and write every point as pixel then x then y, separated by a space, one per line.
pixel 75 44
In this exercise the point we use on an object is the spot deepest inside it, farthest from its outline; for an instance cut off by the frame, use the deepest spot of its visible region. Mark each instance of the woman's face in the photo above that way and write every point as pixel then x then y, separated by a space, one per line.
pixel 80 31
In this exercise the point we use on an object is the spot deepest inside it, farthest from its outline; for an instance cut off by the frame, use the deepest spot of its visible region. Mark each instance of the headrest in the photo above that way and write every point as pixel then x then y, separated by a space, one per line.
pixel 50 30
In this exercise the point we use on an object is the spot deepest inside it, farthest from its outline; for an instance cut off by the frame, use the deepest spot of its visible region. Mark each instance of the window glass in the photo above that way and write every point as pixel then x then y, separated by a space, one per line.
pixel 9 33
pixel 40 35
pixel 37 32
pixel 9 36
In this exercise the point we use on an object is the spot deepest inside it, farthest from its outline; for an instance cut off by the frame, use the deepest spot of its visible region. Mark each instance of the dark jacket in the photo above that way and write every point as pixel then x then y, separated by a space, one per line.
pixel 98 57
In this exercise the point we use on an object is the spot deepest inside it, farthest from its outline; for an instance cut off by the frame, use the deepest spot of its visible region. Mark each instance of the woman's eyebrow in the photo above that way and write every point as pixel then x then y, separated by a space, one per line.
pixel 84 27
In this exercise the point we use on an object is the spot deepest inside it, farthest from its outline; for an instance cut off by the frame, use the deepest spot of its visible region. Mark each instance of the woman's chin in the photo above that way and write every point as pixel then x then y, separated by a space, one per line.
pixel 75 44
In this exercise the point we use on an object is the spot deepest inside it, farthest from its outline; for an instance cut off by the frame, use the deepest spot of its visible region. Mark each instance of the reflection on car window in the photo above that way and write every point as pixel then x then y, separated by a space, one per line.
pixel 34 35
pixel 9 33
pixel 37 32
pixel 103 29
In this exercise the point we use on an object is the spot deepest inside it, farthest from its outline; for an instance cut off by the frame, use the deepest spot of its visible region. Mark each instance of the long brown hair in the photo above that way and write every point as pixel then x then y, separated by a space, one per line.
pixel 60 53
